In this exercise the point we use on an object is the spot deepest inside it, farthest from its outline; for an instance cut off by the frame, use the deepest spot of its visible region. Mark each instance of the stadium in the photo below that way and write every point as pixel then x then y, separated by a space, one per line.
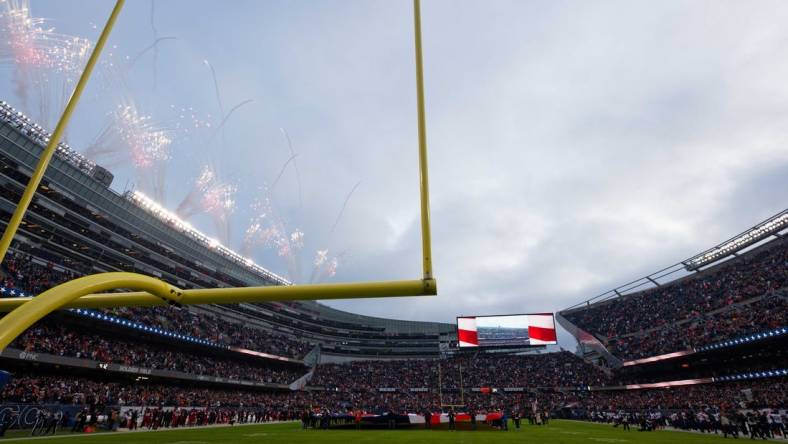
pixel 693 352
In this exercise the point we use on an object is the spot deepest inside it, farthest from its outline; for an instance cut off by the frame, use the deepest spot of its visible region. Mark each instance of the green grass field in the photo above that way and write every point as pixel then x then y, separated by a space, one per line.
pixel 558 432
pixel 563 432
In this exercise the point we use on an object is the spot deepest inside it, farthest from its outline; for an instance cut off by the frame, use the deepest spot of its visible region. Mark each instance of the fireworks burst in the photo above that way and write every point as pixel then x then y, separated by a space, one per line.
pixel 44 62
pixel 188 121
pixel 148 144
pixel 268 230
pixel 191 204
pixel 212 196
pixel 323 266
pixel 132 135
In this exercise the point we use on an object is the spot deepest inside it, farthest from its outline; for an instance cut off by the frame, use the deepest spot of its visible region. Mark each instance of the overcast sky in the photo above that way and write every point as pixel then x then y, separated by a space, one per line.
pixel 573 146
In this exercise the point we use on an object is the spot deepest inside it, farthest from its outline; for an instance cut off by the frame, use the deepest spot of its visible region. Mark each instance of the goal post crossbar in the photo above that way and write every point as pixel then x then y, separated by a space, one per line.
pixel 241 294
pixel 85 292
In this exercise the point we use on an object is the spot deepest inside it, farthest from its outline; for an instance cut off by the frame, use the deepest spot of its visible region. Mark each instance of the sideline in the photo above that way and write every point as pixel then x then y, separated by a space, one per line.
pixel 130 432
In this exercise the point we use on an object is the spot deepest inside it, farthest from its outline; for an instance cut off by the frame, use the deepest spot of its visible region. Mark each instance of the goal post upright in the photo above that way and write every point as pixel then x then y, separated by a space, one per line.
pixel 424 187
pixel 462 388
pixel 440 385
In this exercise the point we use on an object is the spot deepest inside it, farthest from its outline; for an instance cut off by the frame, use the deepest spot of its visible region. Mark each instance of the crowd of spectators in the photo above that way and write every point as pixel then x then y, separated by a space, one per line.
pixel 211 327
pixel 79 391
pixel 739 395
pixel 767 393
pixel 765 314
pixel 561 369
pixel 20 272
pixel 61 340
pixel 691 301
pixel 771 393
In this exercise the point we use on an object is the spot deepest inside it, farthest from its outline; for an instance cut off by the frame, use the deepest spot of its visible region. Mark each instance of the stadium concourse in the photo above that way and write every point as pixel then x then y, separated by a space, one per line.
pixel 701 350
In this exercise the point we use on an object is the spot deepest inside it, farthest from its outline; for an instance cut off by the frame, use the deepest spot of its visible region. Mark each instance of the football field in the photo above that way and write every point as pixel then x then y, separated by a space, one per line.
pixel 568 432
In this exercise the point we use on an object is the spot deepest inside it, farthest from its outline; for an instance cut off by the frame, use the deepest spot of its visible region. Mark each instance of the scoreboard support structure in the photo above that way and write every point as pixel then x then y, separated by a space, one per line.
pixel 88 291
pixel 440 389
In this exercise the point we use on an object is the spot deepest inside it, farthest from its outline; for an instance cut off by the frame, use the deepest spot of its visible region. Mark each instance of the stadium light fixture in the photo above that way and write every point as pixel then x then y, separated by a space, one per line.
pixel 767 228
pixel 86 292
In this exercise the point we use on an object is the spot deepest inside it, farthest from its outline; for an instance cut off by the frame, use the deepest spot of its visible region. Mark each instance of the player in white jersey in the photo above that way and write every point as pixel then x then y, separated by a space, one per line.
pixel 776 421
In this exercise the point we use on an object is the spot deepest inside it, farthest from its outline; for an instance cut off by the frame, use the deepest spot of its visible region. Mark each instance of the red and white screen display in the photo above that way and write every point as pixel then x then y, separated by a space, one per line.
pixel 506 331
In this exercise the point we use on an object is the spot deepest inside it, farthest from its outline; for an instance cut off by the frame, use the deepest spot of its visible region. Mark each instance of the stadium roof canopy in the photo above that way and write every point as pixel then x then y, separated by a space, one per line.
pixel 770 229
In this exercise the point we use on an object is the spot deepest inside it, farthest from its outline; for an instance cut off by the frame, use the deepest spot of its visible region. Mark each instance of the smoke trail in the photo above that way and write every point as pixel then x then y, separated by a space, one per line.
pixel 155 40
pixel 344 205
pixel 281 172
pixel 215 87
pixel 154 46
pixel 227 117
pixel 219 101
pixel 295 165
pixel 322 266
